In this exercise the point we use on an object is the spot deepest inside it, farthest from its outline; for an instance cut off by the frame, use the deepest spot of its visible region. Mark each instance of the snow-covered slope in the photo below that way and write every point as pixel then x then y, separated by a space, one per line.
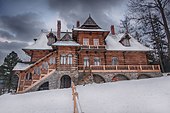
pixel 135 96
pixel 51 101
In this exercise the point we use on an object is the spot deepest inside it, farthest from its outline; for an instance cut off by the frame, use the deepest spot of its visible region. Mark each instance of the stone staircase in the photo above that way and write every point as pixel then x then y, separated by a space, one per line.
pixel 45 71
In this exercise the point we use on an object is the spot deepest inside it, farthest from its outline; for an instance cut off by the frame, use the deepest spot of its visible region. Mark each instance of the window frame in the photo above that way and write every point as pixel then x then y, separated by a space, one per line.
pixel 86 61
pixel 114 60
pixel 86 41
pixel 63 59
pixel 97 61
pixel 95 41
pixel 70 59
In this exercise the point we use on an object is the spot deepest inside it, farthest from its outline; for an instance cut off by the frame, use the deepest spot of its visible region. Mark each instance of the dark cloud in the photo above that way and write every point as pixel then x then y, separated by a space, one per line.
pixel 6 34
pixel 24 26
pixel 6 48
pixel 72 10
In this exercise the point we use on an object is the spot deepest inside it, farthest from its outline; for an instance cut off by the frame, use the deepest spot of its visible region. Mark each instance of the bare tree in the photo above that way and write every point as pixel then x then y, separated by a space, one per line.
pixel 151 17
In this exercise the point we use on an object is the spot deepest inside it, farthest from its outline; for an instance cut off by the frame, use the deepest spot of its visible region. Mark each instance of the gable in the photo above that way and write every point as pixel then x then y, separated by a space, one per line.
pixel 90 24
pixel 66 37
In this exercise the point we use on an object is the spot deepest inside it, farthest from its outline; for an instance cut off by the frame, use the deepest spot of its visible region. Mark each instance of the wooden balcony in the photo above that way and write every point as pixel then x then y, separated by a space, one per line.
pixel 89 47
pixel 120 68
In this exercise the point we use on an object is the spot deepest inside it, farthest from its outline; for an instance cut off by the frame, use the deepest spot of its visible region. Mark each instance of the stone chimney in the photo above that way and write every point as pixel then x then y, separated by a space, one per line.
pixel 78 24
pixel 112 30
pixel 58 29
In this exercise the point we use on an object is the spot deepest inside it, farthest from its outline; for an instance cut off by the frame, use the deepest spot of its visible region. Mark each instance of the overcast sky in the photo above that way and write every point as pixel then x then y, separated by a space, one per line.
pixel 22 20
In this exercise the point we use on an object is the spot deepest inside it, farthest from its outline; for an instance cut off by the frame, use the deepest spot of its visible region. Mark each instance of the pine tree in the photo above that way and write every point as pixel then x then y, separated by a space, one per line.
pixel 9 77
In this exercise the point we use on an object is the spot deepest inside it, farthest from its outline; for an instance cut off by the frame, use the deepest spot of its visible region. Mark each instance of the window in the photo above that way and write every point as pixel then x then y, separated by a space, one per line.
pixel 114 61
pixel 69 60
pixel 126 42
pixel 43 65
pixel 28 76
pixel 85 41
pixel 96 42
pixel 46 65
pixel 38 70
pixel 86 61
pixel 63 59
pixel 53 60
pixel 35 70
pixel 96 61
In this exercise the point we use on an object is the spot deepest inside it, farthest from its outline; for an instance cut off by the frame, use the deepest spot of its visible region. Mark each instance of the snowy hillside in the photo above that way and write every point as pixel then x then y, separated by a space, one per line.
pixel 135 96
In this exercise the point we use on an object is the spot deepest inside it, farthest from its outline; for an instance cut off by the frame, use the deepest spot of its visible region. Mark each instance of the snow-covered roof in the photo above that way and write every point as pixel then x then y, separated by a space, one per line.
pixel 21 66
pixel 112 43
pixel 40 44
pixel 66 43
pixel 79 29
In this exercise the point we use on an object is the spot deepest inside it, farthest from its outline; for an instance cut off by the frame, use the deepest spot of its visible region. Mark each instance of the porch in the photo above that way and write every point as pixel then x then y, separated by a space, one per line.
pixel 119 68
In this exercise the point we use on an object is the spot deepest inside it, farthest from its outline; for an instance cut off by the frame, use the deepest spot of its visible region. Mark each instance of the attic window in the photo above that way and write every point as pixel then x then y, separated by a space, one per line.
pixel 125 40
pixel 51 38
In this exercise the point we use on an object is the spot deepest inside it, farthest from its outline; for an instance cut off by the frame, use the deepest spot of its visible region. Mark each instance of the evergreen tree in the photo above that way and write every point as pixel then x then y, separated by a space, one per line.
pixel 7 74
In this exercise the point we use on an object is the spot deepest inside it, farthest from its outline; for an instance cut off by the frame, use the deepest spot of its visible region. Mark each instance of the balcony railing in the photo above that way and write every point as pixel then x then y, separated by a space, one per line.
pixel 120 68
pixel 93 47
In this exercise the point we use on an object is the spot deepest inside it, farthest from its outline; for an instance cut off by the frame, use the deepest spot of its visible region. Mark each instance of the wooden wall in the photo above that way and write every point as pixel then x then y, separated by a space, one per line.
pixel 127 58
pixel 66 51
pixel 91 36
pixel 37 54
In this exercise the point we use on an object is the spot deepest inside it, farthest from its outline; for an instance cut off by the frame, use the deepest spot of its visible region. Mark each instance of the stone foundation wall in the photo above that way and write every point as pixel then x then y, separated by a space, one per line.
pixel 77 78
pixel 54 79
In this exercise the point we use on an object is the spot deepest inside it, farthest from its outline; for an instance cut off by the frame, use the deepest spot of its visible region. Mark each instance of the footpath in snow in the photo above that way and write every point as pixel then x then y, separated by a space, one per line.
pixel 134 96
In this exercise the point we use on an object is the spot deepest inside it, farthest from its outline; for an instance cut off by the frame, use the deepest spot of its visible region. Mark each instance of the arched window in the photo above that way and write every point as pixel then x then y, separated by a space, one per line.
pixel 43 65
pixel 97 61
pixel 86 61
pixel 114 60
pixel 63 59
pixel 38 70
pixel 28 76
pixel 46 65
pixel 69 60
pixel 35 70
pixel 53 60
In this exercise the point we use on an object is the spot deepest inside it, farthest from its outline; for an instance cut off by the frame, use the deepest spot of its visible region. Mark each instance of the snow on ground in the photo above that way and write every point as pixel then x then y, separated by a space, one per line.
pixel 144 96
pixel 134 96
pixel 51 101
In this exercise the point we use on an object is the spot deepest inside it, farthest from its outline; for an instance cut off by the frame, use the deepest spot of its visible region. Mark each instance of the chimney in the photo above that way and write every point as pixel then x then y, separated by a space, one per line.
pixel 78 24
pixel 112 30
pixel 58 29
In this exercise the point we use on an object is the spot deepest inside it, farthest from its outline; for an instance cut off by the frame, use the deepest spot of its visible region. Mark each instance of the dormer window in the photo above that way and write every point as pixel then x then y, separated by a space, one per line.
pixel 51 38
pixel 125 40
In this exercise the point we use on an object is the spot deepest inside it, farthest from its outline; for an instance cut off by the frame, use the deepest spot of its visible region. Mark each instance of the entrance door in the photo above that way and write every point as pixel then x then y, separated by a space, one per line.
pixel 65 82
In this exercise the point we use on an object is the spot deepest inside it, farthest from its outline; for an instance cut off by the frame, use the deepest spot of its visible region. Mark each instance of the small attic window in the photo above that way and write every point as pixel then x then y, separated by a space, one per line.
pixel 125 40
pixel 51 38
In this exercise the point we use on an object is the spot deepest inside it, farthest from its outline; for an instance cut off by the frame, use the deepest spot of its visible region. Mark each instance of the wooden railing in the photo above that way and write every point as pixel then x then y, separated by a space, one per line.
pixel 63 67
pixel 93 47
pixel 121 68
pixel 76 105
